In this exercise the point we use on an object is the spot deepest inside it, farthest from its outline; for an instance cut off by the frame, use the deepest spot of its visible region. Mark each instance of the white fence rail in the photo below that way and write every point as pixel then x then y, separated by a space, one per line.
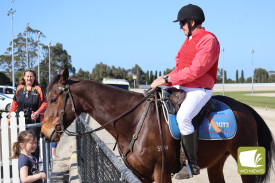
pixel 9 133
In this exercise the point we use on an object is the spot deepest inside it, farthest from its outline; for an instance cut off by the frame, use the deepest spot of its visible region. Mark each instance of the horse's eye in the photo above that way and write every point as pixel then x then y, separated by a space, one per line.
pixel 53 100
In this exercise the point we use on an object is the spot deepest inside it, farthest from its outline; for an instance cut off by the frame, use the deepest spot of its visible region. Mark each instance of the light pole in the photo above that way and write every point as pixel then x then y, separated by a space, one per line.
pixel 252 51
pixel 38 62
pixel 222 70
pixel 134 78
pixel 50 61
pixel 11 12
pixel 27 53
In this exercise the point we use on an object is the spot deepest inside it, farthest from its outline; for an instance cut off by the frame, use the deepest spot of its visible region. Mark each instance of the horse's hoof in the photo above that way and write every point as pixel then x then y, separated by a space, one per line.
pixel 183 174
pixel 180 176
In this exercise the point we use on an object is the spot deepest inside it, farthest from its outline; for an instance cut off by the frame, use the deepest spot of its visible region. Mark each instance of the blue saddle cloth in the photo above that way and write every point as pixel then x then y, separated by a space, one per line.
pixel 224 119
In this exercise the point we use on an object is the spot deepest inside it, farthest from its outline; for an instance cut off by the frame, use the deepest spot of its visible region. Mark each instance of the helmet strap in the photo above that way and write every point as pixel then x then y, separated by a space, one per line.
pixel 191 27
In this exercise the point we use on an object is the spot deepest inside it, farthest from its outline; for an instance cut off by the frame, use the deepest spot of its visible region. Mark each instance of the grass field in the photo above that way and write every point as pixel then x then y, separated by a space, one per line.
pixel 256 101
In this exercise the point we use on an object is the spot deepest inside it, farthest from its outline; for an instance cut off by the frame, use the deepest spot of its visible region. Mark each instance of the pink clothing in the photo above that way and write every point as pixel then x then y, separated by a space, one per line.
pixel 197 74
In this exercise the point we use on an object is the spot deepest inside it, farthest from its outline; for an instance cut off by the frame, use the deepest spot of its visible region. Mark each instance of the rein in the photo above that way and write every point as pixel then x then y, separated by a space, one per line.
pixel 67 92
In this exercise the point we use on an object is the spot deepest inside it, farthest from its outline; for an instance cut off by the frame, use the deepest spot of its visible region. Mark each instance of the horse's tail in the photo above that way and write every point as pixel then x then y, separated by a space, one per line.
pixel 266 140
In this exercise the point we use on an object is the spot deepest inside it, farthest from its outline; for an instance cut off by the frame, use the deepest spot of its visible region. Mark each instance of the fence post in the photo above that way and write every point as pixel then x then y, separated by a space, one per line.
pixel 14 135
pixel 22 125
pixel 5 146
pixel 48 161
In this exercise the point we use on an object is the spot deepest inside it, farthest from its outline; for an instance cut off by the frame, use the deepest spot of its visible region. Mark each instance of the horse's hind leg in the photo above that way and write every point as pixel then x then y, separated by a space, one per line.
pixel 215 172
pixel 245 178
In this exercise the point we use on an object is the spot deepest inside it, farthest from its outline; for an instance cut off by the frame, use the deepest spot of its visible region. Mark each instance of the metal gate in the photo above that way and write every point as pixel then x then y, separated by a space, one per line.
pixel 96 162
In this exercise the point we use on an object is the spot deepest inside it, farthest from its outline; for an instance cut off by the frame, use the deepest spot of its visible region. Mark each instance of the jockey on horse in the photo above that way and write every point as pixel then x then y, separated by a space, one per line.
pixel 195 73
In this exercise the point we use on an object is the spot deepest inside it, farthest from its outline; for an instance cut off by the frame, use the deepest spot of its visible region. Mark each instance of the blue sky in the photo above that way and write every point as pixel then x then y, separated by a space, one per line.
pixel 124 33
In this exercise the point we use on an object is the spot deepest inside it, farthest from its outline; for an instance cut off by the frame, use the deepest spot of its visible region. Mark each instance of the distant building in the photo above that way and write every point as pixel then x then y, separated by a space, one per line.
pixel 120 83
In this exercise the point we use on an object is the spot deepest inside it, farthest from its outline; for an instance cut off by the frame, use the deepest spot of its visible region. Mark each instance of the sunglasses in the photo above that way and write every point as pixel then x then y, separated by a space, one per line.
pixel 30 70
pixel 182 23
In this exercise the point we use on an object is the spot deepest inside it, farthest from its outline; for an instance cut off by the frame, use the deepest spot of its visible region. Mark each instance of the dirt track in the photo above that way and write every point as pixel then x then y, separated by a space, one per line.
pixel 230 168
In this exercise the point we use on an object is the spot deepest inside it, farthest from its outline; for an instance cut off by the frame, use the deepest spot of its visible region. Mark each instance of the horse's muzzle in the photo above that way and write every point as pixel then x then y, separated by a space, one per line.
pixel 46 139
pixel 43 137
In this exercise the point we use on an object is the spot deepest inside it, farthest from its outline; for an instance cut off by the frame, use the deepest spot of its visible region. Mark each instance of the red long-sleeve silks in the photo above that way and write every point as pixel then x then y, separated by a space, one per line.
pixel 202 68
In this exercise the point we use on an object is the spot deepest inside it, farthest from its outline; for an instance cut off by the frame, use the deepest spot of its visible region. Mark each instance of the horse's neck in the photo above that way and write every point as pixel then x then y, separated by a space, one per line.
pixel 107 103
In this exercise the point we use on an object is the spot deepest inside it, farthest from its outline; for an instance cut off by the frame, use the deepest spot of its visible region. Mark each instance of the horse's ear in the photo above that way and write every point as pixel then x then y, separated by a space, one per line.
pixel 64 76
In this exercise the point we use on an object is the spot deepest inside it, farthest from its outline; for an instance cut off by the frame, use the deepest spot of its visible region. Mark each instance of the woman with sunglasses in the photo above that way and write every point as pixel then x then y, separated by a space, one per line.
pixel 30 98
pixel 195 73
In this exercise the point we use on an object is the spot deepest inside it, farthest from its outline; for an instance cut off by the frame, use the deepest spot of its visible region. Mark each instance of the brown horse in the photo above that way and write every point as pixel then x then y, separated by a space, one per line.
pixel 105 103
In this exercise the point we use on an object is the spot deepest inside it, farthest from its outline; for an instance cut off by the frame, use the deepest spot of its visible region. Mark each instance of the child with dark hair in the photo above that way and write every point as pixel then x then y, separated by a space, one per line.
pixel 27 163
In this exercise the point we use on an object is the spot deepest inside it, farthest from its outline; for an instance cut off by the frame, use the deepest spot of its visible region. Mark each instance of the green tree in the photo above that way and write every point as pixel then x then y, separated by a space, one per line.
pixel 230 81
pixel 147 78
pixel 242 77
pixel 116 73
pixel 260 75
pixel 225 76
pixel 82 74
pixel 266 77
pixel 59 57
pixel 271 77
pixel 160 73
pixel 20 63
pixel 248 80
pixel 219 75
pixel 141 76
pixel 167 71
pixel 156 75
pixel 99 72
pixel 237 76
pixel 151 77
pixel 59 60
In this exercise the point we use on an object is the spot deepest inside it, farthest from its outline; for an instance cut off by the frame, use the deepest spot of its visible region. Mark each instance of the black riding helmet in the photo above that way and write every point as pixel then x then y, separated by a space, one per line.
pixel 193 12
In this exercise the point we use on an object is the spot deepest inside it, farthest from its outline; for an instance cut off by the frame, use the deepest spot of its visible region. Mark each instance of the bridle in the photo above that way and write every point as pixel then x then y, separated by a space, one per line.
pixel 67 92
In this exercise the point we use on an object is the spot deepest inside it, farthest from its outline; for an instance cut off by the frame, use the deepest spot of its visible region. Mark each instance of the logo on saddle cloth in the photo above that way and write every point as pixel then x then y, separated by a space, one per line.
pixel 218 125
pixel 223 119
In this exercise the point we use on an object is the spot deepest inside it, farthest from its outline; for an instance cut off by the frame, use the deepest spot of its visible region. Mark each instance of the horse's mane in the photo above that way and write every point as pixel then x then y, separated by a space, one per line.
pixel 53 81
pixel 57 77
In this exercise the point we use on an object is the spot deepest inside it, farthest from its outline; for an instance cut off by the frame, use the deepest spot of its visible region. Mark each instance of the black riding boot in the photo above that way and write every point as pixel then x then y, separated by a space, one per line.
pixel 190 145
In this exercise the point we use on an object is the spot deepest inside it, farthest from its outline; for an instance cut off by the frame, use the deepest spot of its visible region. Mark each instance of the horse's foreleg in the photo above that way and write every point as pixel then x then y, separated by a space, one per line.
pixel 166 176
pixel 215 172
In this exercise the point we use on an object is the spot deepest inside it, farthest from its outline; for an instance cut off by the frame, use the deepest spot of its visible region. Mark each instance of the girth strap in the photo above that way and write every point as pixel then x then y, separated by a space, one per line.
pixel 161 136
pixel 138 129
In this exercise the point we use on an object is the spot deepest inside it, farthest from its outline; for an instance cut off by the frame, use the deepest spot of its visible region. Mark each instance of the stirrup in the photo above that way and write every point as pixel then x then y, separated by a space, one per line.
pixel 189 169
pixel 185 172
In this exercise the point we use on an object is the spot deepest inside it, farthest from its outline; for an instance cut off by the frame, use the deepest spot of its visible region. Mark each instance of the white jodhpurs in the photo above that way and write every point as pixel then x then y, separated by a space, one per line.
pixel 195 99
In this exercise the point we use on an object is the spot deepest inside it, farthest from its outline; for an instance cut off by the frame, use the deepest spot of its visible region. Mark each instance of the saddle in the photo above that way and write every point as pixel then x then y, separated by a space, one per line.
pixel 173 98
